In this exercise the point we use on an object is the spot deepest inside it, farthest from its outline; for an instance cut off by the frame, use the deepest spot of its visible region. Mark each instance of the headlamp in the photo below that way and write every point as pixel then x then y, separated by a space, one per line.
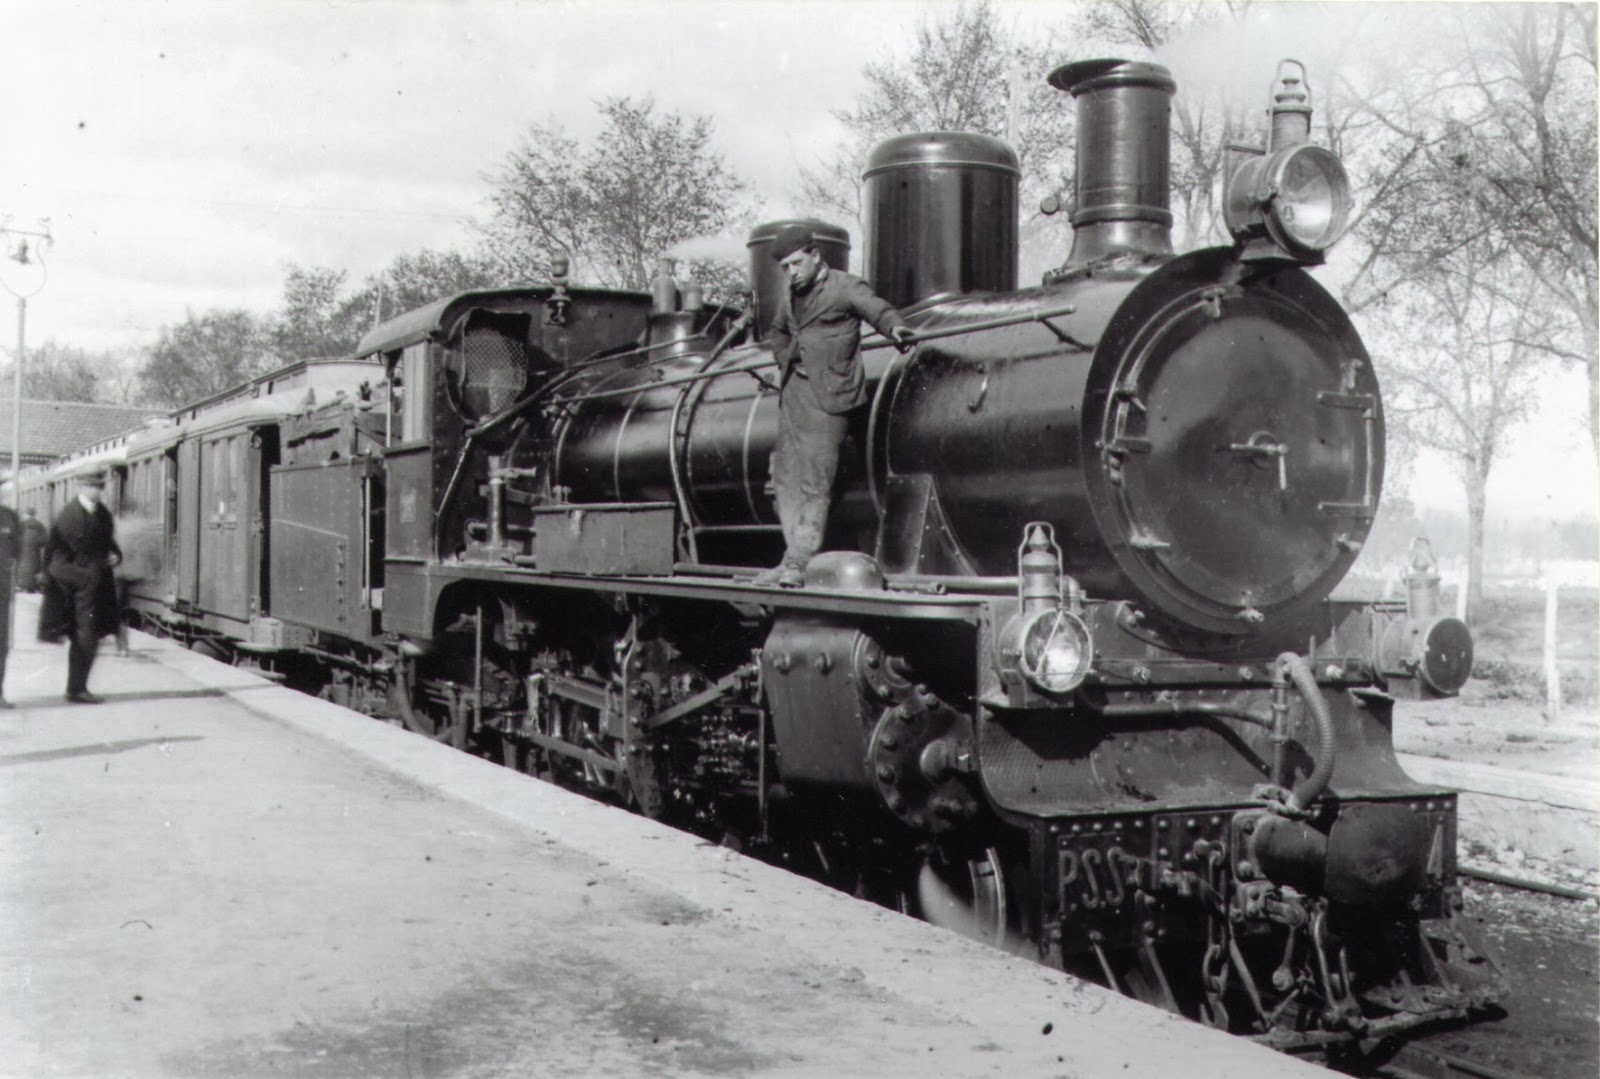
pixel 1046 646
pixel 1300 197
pixel 1291 199
pixel 1054 650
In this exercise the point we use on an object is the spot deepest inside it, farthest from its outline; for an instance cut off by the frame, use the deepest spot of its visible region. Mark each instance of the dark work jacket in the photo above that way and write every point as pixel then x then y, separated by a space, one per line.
pixel 821 332
pixel 75 557
pixel 29 564
pixel 10 536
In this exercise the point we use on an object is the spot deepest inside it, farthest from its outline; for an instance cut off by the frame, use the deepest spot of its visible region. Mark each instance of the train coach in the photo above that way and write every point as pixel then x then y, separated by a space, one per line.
pixel 46 488
pixel 1068 675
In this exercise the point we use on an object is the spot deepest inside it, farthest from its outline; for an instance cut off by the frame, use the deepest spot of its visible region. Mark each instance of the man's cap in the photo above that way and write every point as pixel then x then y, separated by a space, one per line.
pixel 94 477
pixel 791 238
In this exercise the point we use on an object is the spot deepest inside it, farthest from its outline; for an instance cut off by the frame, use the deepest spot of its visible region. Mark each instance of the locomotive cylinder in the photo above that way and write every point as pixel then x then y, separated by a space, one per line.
pixel 941 216
pixel 1121 202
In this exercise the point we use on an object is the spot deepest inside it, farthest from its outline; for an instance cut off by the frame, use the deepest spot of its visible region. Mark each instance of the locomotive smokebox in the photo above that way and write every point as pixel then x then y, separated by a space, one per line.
pixel 1121 205
pixel 767 281
pixel 941 216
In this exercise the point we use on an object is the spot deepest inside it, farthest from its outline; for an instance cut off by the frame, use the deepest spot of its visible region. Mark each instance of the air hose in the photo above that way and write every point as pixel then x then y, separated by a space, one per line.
pixel 1310 788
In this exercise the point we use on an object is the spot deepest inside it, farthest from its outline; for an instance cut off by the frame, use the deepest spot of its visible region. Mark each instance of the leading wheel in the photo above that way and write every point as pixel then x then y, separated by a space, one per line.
pixel 964 891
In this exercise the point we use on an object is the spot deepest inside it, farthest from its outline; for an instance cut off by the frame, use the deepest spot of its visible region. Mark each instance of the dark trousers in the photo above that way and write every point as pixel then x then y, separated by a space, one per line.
pixel 84 642
pixel 803 466
pixel 5 621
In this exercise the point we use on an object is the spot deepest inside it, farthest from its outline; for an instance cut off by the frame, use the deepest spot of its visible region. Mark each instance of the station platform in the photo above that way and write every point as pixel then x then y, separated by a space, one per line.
pixel 210 875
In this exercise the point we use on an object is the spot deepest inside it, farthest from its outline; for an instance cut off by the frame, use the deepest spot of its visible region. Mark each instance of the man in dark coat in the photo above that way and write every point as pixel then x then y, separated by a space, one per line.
pixel 29 565
pixel 10 535
pixel 816 340
pixel 80 598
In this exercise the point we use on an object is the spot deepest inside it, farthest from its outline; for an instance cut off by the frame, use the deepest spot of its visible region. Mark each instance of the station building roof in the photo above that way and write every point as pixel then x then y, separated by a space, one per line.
pixel 53 428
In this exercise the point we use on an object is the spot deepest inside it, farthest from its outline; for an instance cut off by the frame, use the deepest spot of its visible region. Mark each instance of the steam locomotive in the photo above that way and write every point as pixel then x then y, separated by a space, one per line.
pixel 1067 675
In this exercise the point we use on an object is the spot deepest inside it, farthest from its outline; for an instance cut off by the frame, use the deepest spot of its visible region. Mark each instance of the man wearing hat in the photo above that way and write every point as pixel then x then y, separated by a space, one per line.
pixel 79 556
pixel 816 341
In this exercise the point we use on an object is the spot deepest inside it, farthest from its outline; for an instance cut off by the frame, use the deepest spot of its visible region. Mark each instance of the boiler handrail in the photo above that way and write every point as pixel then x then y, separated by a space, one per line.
pixel 874 343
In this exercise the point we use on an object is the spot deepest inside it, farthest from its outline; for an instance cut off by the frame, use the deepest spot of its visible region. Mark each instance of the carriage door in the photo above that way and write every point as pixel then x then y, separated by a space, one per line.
pixel 225 562
pixel 186 524
pixel 167 583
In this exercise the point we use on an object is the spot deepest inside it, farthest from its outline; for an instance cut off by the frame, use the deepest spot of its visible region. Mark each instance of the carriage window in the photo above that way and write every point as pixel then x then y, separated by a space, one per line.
pixel 415 396
pixel 223 465
pixel 169 484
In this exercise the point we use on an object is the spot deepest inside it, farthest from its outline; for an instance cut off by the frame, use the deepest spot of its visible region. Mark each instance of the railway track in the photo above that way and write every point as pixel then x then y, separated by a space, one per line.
pixel 1420 1062
pixel 1527 885
pixel 1547 1028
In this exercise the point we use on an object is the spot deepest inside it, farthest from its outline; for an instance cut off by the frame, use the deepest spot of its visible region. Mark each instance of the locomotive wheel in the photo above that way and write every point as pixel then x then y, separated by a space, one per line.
pixel 433 695
pixel 515 755
pixel 965 893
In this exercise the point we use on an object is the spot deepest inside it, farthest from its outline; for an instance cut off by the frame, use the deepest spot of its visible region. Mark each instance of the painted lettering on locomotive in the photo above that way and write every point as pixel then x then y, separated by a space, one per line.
pixel 1067 674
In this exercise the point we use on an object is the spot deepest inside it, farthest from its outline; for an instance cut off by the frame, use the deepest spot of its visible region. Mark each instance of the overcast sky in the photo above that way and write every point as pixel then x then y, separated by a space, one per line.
pixel 186 153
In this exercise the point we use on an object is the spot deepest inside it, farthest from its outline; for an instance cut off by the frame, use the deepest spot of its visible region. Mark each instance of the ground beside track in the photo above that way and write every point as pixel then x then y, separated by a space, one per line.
pixel 1549 950
pixel 1548 947
pixel 1538 815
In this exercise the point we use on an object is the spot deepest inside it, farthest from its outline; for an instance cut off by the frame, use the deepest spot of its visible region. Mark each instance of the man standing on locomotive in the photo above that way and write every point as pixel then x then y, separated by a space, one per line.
pixel 816 341
pixel 80 600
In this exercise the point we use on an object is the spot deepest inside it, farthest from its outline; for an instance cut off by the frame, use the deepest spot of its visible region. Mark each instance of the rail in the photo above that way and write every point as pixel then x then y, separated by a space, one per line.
pixel 1420 1062
pixel 1525 884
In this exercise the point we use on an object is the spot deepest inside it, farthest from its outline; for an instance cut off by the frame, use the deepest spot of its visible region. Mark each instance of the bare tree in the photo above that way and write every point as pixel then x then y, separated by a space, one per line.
pixel 412 281
pixel 320 318
pixel 1205 120
pixel 307 325
pixel 56 372
pixel 647 182
pixel 1487 136
pixel 1527 151
pixel 1462 374
pixel 968 72
pixel 205 354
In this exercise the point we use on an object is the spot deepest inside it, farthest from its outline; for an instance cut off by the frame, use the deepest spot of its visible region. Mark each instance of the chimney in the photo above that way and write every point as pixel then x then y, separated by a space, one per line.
pixel 1120 204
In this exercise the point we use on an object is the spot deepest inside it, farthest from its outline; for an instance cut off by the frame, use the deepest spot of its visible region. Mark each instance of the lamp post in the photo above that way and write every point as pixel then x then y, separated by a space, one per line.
pixel 21 256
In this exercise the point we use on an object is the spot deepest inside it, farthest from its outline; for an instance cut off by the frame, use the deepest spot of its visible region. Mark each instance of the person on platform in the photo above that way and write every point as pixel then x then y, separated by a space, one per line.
pixel 10 545
pixel 80 598
pixel 29 565
pixel 816 341
pixel 128 571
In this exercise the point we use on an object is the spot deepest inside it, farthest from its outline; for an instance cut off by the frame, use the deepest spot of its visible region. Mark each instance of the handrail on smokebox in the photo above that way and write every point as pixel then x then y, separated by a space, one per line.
pixel 875 342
